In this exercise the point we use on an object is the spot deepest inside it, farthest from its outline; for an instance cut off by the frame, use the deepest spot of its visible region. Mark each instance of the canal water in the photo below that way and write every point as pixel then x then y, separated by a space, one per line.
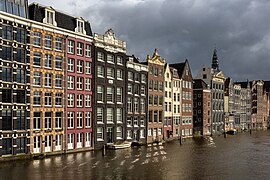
pixel 243 156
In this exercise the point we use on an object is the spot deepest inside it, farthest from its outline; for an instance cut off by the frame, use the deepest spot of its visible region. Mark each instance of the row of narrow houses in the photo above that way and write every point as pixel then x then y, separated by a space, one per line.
pixel 65 89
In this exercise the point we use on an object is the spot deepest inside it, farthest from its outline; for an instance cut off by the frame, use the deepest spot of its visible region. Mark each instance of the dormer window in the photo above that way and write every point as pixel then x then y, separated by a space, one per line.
pixel 80 26
pixel 50 16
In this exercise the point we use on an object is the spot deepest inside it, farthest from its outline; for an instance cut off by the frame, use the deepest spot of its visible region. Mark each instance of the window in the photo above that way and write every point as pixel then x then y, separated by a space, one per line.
pixel 80 66
pixel 48 143
pixel 6 53
pixel 20 76
pixel 88 84
pixel 88 50
pixel 20 122
pixel 136 89
pixel 99 134
pixel 119 115
pixel 80 100
pixel 100 91
pixel 110 95
pixel 135 121
pixel 110 58
pixel 6 74
pixel 70 120
pixel 71 48
pixel 155 85
pixel 136 105
pixel 143 90
pixel 70 141
pixel 37 39
pixel 79 49
pixel 119 133
pixel 79 83
pixel 160 86
pixel 70 82
pixel 58 120
pixel 48 41
pixel 142 135
pixel 48 61
pixel 143 106
pixel 37 78
pixel 6 119
pixel 37 98
pixel 49 17
pixel 37 120
pixel 58 81
pixel 87 67
pixel 150 84
pixel 70 100
pixel 136 77
pixel 109 115
pixel 37 59
pixel 155 100
pixel 71 65
pixel 100 71
pixel 129 134
pixel 6 95
pixel 79 119
pixel 48 120
pixel 129 121
pixel 150 100
pixel 143 78
pixel 48 99
pixel 6 146
pixel 20 55
pixel 58 99
pixel 110 73
pixel 119 95
pixel 48 80
pixel 7 32
pixel 87 100
pixel 100 56
pixel 87 119
pixel 119 74
pixel 130 76
pixel 119 60
pixel 58 43
pixel 80 26
pixel 58 62
pixel 160 115
pixel 155 116
pixel 21 96
pixel 99 115
pixel 142 122
pixel 129 88
pixel 129 104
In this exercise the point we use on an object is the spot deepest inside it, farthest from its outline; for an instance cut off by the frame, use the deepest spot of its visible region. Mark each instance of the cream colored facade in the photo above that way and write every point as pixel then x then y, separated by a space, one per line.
pixel 168 103
pixel 176 102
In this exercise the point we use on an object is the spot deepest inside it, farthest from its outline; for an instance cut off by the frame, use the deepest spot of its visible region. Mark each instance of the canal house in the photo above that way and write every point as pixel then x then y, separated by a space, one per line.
pixel 109 118
pixel 14 79
pixel 137 100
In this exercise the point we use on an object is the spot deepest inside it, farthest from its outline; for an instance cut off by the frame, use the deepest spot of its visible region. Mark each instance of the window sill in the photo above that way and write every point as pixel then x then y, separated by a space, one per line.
pixel 100 140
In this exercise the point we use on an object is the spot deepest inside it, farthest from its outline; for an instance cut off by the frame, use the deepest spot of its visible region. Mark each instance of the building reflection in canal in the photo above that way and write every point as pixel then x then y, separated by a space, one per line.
pixel 236 157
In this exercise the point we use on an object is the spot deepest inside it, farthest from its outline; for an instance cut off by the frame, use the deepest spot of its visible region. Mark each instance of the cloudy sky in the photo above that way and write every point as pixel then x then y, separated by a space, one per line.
pixel 186 29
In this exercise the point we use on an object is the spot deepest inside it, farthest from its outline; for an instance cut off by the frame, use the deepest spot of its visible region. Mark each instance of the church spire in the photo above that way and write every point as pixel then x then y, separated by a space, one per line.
pixel 215 65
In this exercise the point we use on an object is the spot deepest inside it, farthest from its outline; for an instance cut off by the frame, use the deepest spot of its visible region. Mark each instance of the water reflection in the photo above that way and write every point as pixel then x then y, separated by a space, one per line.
pixel 242 156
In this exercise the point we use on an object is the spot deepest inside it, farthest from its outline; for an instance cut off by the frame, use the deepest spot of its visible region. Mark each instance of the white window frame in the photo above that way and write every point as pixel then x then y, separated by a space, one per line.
pixel 70 100
pixel 88 119
pixel 87 67
pixel 70 119
pixel 88 50
pixel 79 120
pixel 70 82
pixel 80 82
pixel 80 100
pixel 87 100
pixel 71 47
pixel 80 48
pixel 88 84
pixel 71 65
pixel 110 116
pixel 100 115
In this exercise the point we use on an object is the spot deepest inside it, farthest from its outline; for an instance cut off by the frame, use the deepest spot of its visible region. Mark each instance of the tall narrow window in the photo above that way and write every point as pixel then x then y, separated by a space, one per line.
pixel 58 120
pixel 48 120
pixel 37 39
pixel 88 84
pixel 58 62
pixel 110 95
pixel 58 43
pixel 71 65
pixel 58 80
pixel 87 67
pixel 48 61
pixel 37 59
pixel 88 50
pixel 71 47
pixel 99 115
pixel 119 95
pixel 100 91
pixel 80 49
pixel 48 41
pixel 37 98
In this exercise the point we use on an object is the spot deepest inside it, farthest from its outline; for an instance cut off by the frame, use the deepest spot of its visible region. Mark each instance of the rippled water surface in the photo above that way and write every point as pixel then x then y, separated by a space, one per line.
pixel 243 156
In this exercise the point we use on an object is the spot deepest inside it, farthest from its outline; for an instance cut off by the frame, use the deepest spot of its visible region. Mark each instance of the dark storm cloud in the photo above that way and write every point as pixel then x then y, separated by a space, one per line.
pixel 182 29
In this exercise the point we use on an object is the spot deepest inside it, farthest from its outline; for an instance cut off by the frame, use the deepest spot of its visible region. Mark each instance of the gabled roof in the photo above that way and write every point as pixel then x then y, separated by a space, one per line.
pixel 181 67
pixel 65 21
pixel 199 84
